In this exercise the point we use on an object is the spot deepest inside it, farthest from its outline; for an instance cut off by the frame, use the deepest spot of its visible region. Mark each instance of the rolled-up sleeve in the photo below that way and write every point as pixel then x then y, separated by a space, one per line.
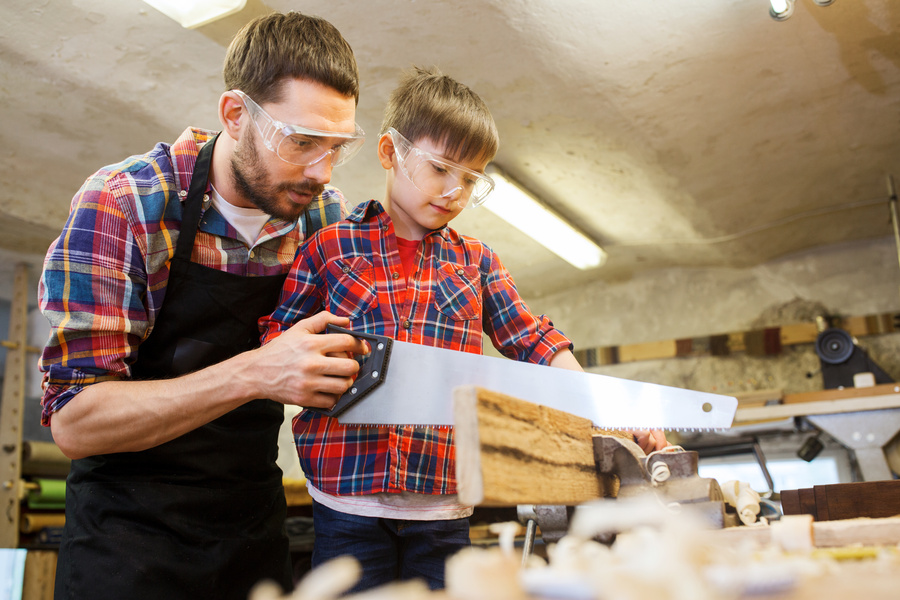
pixel 92 292
pixel 516 332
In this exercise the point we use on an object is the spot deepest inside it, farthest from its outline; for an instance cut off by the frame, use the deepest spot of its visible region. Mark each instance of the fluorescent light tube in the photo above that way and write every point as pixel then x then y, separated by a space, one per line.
pixel 520 209
pixel 196 13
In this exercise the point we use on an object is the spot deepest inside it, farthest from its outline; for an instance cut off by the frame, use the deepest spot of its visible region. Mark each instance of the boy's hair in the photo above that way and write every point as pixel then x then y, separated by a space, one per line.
pixel 276 47
pixel 429 104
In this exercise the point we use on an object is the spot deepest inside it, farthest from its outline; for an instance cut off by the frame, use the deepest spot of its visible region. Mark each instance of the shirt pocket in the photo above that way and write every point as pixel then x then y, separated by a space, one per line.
pixel 351 287
pixel 458 291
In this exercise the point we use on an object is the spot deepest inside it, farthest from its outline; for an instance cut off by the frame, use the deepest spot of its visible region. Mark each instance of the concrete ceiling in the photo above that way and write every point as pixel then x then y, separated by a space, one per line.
pixel 695 133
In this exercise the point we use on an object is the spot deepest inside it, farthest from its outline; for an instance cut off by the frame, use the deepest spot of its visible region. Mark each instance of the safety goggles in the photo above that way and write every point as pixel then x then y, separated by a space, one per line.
pixel 440 178
pixel 300 145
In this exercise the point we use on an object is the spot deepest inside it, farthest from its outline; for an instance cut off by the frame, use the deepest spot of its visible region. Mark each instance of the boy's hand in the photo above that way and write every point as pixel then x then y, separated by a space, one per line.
pixel 304 368
pixel 650 440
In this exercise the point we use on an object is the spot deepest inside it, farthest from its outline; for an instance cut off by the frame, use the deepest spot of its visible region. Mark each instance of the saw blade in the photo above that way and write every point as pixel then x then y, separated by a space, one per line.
pixel 417 389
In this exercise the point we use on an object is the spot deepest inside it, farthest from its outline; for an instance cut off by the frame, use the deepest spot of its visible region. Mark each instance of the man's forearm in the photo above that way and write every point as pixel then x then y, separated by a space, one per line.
pixel 128 416
pixel 298 367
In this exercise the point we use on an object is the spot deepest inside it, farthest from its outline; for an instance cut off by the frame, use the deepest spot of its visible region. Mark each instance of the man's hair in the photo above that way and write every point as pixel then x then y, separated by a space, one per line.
pixel 271 49
pixel 429 104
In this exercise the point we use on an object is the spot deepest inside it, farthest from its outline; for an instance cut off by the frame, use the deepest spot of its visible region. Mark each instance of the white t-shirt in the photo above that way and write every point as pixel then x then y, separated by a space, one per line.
pixel 248 221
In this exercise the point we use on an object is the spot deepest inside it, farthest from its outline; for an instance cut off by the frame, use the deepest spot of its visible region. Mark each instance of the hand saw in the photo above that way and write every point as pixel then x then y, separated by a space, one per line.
pixel 400 383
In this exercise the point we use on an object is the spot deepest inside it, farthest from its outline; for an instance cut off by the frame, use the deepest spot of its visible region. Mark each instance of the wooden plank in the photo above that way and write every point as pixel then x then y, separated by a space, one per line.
pixel 808 503
pixel 827 534
pixel 296 492
pixel 842 394
pixel 799 333
pixel 511 452
pixel 758 397
pixel 862 531
pixel 648 351
pixel 790 502
pixel 40 575
pixel 827 407
pixel 821 513
pixel 12 404
pixel 874 499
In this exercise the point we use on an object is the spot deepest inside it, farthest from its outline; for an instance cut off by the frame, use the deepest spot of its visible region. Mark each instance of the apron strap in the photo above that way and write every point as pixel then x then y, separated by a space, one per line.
pixel 193 204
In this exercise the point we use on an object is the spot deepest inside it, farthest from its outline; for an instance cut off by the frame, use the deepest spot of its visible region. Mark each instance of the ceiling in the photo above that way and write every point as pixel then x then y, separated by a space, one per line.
pixel 700 133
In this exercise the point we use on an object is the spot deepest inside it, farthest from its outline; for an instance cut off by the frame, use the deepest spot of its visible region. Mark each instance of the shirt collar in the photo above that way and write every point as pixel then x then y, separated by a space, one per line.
pixel 373 210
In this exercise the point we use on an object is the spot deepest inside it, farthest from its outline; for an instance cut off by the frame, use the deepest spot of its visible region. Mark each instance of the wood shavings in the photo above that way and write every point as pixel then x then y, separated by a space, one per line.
pixel 793 533
pixel 743 498
pixel 330 580
pixel 326 582
pixel 483 574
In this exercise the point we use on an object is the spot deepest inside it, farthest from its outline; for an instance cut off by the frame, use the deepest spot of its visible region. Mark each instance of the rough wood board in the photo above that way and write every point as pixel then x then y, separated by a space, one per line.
pixel 40 575
pixel 648 351
pixel 798 333
pixel 296 493
pixel 824 407
pixel 842 394
pixel 511 452
pixel 826 534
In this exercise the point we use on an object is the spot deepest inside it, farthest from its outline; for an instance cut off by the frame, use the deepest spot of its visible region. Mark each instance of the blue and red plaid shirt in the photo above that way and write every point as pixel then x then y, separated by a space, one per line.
pixel 458 290
pixel 104 278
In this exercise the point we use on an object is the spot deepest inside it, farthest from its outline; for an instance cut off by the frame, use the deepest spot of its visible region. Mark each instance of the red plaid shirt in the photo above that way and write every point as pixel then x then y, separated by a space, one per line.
pixel 459 289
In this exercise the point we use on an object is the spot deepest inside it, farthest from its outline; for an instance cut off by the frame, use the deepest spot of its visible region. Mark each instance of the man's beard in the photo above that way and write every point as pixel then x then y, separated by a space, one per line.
pixel 250 178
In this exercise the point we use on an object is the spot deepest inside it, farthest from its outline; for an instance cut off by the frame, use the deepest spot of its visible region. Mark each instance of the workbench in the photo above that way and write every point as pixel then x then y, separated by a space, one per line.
pixel 863 420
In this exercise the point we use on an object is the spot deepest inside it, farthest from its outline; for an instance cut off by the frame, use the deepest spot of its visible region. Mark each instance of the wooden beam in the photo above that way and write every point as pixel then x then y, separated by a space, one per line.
pixel 12 404
pixel 858 403
pixel 826 534
pixel 511 452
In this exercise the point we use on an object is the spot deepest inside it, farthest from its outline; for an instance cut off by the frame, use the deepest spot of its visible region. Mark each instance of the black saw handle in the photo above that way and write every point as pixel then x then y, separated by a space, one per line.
pixel 372 370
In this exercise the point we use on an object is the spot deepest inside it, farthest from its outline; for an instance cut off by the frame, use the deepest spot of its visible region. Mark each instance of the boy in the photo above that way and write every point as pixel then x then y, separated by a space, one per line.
pixel 386 495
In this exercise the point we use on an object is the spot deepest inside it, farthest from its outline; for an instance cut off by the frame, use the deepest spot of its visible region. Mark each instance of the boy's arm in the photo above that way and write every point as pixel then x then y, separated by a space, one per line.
pixel 564 359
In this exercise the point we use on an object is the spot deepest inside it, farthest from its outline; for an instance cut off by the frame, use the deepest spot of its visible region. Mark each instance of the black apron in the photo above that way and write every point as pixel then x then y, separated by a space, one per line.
pixel 201 516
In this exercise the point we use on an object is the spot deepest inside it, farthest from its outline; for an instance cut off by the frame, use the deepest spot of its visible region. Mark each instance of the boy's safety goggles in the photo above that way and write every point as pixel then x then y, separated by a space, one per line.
pixel 300 145
pixel 440 178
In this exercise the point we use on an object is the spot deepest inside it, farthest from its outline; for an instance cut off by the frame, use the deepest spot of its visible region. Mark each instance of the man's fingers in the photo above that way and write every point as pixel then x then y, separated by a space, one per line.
pixel 318 322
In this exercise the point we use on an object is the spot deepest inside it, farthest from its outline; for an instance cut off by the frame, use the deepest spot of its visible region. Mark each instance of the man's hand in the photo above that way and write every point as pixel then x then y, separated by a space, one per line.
pixel 650 440
pixel 305 368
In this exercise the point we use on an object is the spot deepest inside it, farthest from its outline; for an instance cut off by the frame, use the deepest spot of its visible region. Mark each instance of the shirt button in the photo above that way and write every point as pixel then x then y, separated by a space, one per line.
pixel 345 269
pixel 182 193
pixel 384 227
pixel 459 271
pixel 395 275
pixel 407 324
pixel 252 254
pixel 205 198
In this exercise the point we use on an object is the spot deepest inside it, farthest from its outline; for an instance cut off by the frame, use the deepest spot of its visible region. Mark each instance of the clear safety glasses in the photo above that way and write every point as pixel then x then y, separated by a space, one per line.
pixel 300 145
pixel 440 178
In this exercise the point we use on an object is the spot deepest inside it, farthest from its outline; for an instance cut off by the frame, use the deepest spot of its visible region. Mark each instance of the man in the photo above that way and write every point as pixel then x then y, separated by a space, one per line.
pixel 154 382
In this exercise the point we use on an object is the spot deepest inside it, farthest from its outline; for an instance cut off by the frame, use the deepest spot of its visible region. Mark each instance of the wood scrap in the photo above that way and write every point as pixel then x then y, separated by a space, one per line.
pixel 511 452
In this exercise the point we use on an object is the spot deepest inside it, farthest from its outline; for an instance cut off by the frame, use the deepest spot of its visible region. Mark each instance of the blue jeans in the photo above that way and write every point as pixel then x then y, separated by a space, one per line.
pixel 388 549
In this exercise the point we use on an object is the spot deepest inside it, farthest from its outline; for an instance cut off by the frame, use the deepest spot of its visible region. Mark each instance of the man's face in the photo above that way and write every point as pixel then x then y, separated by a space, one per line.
pixel 276 187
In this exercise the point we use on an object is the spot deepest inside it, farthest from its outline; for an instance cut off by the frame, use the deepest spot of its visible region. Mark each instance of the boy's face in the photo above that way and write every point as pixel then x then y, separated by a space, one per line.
pixel 416 212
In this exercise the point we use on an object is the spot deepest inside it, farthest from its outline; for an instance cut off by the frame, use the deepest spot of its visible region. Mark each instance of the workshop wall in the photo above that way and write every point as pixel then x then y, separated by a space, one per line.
pixel 850 279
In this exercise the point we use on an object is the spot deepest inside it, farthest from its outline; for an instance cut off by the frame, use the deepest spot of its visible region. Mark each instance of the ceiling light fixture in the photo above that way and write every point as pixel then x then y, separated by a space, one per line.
pixel 196 13
pixel 518 207
pixel 781 9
